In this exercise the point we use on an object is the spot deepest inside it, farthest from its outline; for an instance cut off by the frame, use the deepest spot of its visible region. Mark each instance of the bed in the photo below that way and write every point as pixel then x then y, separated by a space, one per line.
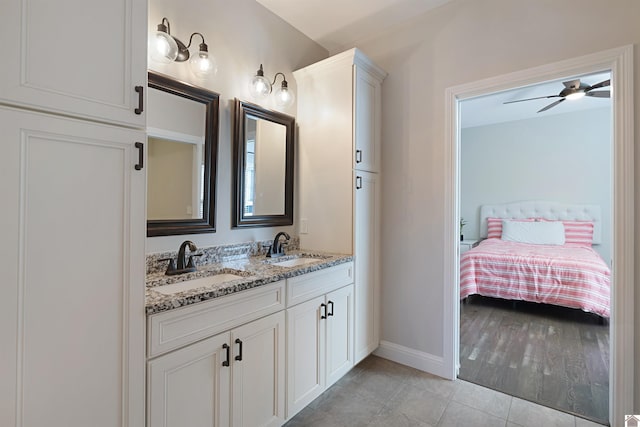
pixel 539 252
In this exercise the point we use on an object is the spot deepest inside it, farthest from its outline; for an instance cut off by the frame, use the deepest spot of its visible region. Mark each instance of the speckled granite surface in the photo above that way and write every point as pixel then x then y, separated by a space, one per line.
pixel 255 271
pixel 217 254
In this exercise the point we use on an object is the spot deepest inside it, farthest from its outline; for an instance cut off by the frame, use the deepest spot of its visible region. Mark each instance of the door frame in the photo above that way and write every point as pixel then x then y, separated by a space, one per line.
pixel 620 62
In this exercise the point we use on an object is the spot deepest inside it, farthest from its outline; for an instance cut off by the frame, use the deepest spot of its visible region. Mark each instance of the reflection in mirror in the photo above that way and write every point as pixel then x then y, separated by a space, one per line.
pixel 182 145
pixel 264 167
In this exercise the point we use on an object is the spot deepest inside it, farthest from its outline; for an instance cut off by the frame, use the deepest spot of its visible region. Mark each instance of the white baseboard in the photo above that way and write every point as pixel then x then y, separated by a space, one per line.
pixel 414 358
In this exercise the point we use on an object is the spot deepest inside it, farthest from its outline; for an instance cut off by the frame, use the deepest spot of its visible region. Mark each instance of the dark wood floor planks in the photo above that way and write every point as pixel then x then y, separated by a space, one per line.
pixel 554 356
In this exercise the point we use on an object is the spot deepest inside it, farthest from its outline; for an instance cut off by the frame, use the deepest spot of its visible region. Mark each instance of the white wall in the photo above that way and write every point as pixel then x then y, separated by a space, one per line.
pixel 241 35
pixel 460 42
pixel 563 157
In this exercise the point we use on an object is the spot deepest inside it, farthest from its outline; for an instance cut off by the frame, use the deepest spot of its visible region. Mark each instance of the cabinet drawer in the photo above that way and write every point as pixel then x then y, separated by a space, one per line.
pixel 311 285
pixel 176 328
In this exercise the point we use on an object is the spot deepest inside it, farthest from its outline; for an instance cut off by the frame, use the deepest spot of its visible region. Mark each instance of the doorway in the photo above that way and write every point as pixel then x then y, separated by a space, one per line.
pixel 619 61
pixel 553 354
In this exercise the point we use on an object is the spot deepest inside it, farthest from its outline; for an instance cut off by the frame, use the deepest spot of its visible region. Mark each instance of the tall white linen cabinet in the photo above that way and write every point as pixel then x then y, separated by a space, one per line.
pixel 73 213
pixel 339 120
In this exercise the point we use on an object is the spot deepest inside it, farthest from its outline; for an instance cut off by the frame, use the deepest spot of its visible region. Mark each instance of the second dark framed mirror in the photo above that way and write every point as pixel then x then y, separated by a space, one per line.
pixel 263 154
pixel 182 141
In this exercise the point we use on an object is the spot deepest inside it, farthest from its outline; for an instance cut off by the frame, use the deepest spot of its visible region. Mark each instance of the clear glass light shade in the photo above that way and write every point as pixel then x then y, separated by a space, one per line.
pixel 163 48
pixel 259 87
pixel 284 97
pixel 203 65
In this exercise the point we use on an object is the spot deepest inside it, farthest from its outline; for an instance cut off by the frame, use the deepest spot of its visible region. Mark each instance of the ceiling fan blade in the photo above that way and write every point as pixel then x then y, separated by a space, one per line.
pixel 529 99
pixel 599 94
pixel 553 104
pixel 572 84
pixel 601 84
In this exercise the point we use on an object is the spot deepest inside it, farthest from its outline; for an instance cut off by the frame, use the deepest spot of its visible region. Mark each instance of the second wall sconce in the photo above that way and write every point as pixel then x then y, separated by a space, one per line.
pixel 260 88
pixel 166 48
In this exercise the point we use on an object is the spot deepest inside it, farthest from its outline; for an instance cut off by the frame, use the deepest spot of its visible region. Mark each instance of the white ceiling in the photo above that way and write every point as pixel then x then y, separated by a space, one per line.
pixel 338 24
pixel 491 109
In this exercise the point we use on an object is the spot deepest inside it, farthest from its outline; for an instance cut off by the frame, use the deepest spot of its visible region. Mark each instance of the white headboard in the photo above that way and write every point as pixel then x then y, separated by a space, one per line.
pixel 546 210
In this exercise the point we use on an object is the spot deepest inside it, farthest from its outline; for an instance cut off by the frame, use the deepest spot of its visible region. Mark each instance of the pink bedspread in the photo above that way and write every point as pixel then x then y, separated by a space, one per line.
pixel 569 276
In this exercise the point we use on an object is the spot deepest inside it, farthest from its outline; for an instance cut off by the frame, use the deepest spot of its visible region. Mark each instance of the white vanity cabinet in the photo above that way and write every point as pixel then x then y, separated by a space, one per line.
pixel 320 318
pixel 78 57
pixel 232 377
pixel 339 115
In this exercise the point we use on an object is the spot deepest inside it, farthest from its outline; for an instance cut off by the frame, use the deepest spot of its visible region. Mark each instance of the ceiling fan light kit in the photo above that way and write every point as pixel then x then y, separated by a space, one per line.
pixel 573 90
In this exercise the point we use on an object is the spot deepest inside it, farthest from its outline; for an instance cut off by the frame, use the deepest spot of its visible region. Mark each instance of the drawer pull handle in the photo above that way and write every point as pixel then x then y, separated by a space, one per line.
pixel 140 164
pixel 239 356
pixel 331 313
pixel 140 108
pixel 358 182
pixel 323 311
pixel 228 348
pixel 358 156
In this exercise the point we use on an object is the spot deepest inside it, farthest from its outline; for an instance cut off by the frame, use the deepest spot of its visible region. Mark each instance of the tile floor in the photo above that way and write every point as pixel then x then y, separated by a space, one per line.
pixel 378 392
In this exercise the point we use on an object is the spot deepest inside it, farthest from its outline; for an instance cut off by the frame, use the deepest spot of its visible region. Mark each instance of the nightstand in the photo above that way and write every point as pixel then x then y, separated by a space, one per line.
pixel 465 245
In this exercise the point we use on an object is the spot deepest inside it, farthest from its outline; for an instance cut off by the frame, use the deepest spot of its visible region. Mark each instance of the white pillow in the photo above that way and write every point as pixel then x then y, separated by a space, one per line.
pixel 536 233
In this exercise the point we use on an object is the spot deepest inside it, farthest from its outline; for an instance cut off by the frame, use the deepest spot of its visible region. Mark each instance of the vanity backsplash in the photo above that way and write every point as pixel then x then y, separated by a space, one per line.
pixel 214 254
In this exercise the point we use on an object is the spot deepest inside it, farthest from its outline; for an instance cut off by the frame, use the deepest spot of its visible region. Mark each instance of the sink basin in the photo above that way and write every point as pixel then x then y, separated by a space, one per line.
pixel 203 282
pixel 295 262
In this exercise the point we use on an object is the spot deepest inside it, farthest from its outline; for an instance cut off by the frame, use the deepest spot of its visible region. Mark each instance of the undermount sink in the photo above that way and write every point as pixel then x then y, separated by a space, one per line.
pixel 203 282
pixel 296 262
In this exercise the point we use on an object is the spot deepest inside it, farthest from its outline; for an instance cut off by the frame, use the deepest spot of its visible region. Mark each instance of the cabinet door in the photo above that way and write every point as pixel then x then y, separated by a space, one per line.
pixel 72 259
pixel 367 115
pixel 339 359
pixel 367 277
pixel 258 376
pixel 79 57
pixel 305 353
pixel 190 387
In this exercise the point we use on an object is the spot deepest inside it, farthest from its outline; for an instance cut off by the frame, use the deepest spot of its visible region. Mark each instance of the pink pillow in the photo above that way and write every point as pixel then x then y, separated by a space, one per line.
pixel 494 226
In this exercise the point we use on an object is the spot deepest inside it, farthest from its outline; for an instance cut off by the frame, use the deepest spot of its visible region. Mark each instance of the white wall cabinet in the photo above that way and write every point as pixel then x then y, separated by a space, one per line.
pixel 236 378
pixel 78 57
pixel 367 98
pixel 339 114
pixel 320 346
pixel 72 258
pixel 73 213
pixel 367 273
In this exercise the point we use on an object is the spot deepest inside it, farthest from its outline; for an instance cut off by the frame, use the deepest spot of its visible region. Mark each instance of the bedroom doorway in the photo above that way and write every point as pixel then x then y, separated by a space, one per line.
pixel 538 345
pixel 619 62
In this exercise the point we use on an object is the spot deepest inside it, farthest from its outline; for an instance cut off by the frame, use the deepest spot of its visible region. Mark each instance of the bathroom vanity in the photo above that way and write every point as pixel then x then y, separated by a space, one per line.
pixel 249 341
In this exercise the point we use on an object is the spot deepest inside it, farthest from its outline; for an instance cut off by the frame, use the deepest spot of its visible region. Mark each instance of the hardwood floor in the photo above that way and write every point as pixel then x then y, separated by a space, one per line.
pixel 550 355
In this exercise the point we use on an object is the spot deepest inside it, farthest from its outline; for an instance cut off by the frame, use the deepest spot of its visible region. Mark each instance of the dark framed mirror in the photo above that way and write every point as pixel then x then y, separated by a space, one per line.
pixel 263 158
pixel 182 148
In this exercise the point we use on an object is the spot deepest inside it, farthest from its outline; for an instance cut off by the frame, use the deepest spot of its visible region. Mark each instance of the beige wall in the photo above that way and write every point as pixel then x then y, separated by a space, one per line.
pixel 460 42
pixel 241 34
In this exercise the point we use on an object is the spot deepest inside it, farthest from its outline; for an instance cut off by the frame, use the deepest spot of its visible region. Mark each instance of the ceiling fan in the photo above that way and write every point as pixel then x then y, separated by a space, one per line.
pixel 573 89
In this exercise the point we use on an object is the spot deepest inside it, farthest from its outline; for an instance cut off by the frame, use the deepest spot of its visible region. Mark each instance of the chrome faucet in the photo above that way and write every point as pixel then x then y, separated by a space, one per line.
pixel 183 266
pixel 276 249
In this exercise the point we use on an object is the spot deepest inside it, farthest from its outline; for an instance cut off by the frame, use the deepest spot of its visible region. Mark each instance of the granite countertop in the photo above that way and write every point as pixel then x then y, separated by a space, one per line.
pixel 254 271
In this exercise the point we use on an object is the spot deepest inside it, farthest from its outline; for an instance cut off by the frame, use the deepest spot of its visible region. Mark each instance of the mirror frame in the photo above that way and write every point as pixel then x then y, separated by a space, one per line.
pixel 211 100
pixel 242 109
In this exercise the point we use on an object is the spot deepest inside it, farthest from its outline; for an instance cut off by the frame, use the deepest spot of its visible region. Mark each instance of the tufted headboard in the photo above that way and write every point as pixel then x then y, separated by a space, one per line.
pixel 546 210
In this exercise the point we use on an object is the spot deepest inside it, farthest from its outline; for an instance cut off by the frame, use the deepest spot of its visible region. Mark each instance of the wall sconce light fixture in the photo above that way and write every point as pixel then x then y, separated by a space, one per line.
pixel 260 88
pixel 166 48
